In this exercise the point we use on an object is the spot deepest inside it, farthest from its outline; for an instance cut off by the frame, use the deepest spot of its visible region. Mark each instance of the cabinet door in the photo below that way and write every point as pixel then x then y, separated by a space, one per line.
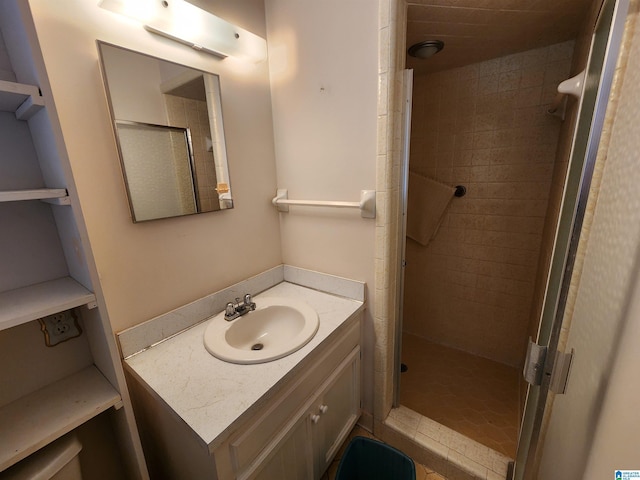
pixel 336 411
pixel 288 459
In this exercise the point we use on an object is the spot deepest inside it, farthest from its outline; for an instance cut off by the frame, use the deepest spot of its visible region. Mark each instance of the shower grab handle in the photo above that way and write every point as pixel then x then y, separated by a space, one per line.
pixel 366 205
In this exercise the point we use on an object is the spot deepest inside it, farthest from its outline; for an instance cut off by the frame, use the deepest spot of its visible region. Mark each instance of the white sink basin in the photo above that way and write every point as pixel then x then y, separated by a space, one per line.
pixel 276 328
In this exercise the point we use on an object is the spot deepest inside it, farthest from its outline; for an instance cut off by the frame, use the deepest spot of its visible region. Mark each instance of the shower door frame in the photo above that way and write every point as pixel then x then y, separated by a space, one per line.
pixel 407 84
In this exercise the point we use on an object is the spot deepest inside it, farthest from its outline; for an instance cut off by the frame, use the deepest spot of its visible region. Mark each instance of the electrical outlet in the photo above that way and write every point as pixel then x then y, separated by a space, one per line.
pixel 59 327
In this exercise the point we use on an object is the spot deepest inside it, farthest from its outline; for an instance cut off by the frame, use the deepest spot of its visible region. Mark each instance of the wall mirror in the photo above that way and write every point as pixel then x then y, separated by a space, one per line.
pixel 167 120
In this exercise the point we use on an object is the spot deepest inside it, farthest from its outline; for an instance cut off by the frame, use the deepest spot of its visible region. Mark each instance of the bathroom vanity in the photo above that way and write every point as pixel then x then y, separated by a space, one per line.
pixel 202 417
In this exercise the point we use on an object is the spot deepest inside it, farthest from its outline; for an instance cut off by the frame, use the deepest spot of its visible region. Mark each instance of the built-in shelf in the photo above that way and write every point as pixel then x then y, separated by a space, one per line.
pixel 51 195
pixel 35 301
pixel 45 248
pixel 39 418
pixel 23 100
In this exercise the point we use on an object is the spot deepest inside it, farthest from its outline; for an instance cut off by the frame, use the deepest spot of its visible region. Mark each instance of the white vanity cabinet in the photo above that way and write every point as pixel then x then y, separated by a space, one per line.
pixel 290 458
pixel 297 435
pixel 335 412
pixel 306 445
pixel 291 432
pixel 46 268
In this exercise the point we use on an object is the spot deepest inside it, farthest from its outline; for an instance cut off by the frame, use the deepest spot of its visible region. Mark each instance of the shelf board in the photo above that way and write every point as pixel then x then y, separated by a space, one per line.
pixel 37 419
pixel 23 100
pixel 38 194
pixel 35 301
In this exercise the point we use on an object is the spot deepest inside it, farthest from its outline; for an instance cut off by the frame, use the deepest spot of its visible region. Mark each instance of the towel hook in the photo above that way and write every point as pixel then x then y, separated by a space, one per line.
pixel 461 190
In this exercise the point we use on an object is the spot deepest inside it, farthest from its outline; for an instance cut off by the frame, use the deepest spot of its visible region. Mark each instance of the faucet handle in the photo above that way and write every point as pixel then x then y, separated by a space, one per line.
pixel 229 310
pixel 248 303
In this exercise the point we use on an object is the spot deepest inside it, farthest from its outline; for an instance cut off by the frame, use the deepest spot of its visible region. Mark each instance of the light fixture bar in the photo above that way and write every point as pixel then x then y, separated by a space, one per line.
pixel 185 23
pixel 166 32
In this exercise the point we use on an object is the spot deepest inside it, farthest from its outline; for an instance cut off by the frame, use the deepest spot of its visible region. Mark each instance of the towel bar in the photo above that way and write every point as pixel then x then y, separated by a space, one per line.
pixel 367 203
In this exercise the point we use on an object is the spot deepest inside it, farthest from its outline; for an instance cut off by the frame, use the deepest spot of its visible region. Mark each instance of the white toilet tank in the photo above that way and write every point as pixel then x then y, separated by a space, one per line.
pixel 57 461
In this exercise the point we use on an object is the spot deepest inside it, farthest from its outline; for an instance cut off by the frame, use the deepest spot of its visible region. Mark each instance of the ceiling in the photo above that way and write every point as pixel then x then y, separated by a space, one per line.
pixel 477 30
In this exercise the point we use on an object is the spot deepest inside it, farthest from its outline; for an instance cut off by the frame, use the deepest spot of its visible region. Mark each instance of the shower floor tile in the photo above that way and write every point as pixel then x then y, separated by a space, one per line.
pixel 474 396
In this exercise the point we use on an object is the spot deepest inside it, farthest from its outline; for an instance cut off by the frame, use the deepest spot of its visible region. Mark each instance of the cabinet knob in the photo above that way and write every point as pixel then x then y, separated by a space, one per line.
pixel 324 408
pixel 315 418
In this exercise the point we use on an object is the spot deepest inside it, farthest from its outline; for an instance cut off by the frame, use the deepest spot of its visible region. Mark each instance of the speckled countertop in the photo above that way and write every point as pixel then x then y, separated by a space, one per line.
pixel 211 395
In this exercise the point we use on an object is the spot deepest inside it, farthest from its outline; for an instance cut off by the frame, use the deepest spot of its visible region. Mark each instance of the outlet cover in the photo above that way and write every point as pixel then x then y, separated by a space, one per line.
pixel 59 327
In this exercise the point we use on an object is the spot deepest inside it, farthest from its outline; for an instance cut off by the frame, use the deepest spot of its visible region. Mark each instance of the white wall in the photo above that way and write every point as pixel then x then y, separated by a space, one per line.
pixel 324 74
pixel 134 86
pixel 616 444
pixel 147 269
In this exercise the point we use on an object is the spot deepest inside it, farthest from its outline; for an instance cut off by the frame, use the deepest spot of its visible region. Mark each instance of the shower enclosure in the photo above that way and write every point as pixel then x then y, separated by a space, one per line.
pixel 472 288
pixel 474 293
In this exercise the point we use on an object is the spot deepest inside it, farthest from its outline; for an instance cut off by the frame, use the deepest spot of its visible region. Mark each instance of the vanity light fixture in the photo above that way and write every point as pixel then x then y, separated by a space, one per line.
pixel 185 23
pixel 425 49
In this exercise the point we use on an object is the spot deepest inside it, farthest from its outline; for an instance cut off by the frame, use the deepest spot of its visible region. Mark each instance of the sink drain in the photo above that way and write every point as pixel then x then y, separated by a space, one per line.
pixel 257 346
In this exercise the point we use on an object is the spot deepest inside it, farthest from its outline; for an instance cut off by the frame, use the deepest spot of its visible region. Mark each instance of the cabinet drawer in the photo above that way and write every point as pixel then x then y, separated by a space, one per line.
pixel 245 447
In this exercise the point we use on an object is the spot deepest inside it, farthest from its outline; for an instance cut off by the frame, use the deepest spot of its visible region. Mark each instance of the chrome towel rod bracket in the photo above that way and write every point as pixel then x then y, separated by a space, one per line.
pixel 366 205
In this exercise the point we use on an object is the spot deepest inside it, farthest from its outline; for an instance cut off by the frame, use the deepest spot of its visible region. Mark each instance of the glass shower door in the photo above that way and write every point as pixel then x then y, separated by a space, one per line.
pixel 603 56
pixel 404 182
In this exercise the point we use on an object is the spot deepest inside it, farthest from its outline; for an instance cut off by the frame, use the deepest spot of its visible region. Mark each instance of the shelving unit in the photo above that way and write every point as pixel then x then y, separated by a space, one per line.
pixel 32 302
pixel 59 194
pixel 52 411
pixel 47 268
pixel 35 301
pixel 23 100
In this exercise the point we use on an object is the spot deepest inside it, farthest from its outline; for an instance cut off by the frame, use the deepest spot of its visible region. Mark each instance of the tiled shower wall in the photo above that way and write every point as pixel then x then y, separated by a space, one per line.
pixel 484 126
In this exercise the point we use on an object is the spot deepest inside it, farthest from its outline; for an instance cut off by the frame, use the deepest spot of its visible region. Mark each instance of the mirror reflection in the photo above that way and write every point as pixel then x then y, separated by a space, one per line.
pixel 168 124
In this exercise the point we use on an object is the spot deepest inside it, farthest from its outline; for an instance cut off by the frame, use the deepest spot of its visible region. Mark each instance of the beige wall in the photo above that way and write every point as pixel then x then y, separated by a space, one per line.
pixel 323 61
pixel 484 126
pixel 325 139
pixel 615 443
pixel 147 269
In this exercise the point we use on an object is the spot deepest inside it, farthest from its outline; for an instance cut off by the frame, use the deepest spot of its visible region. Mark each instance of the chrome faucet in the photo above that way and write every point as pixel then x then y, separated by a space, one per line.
pixel 233 311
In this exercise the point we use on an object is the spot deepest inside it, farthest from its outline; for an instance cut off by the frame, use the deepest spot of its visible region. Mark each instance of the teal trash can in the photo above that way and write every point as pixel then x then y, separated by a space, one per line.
pixel 368 459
